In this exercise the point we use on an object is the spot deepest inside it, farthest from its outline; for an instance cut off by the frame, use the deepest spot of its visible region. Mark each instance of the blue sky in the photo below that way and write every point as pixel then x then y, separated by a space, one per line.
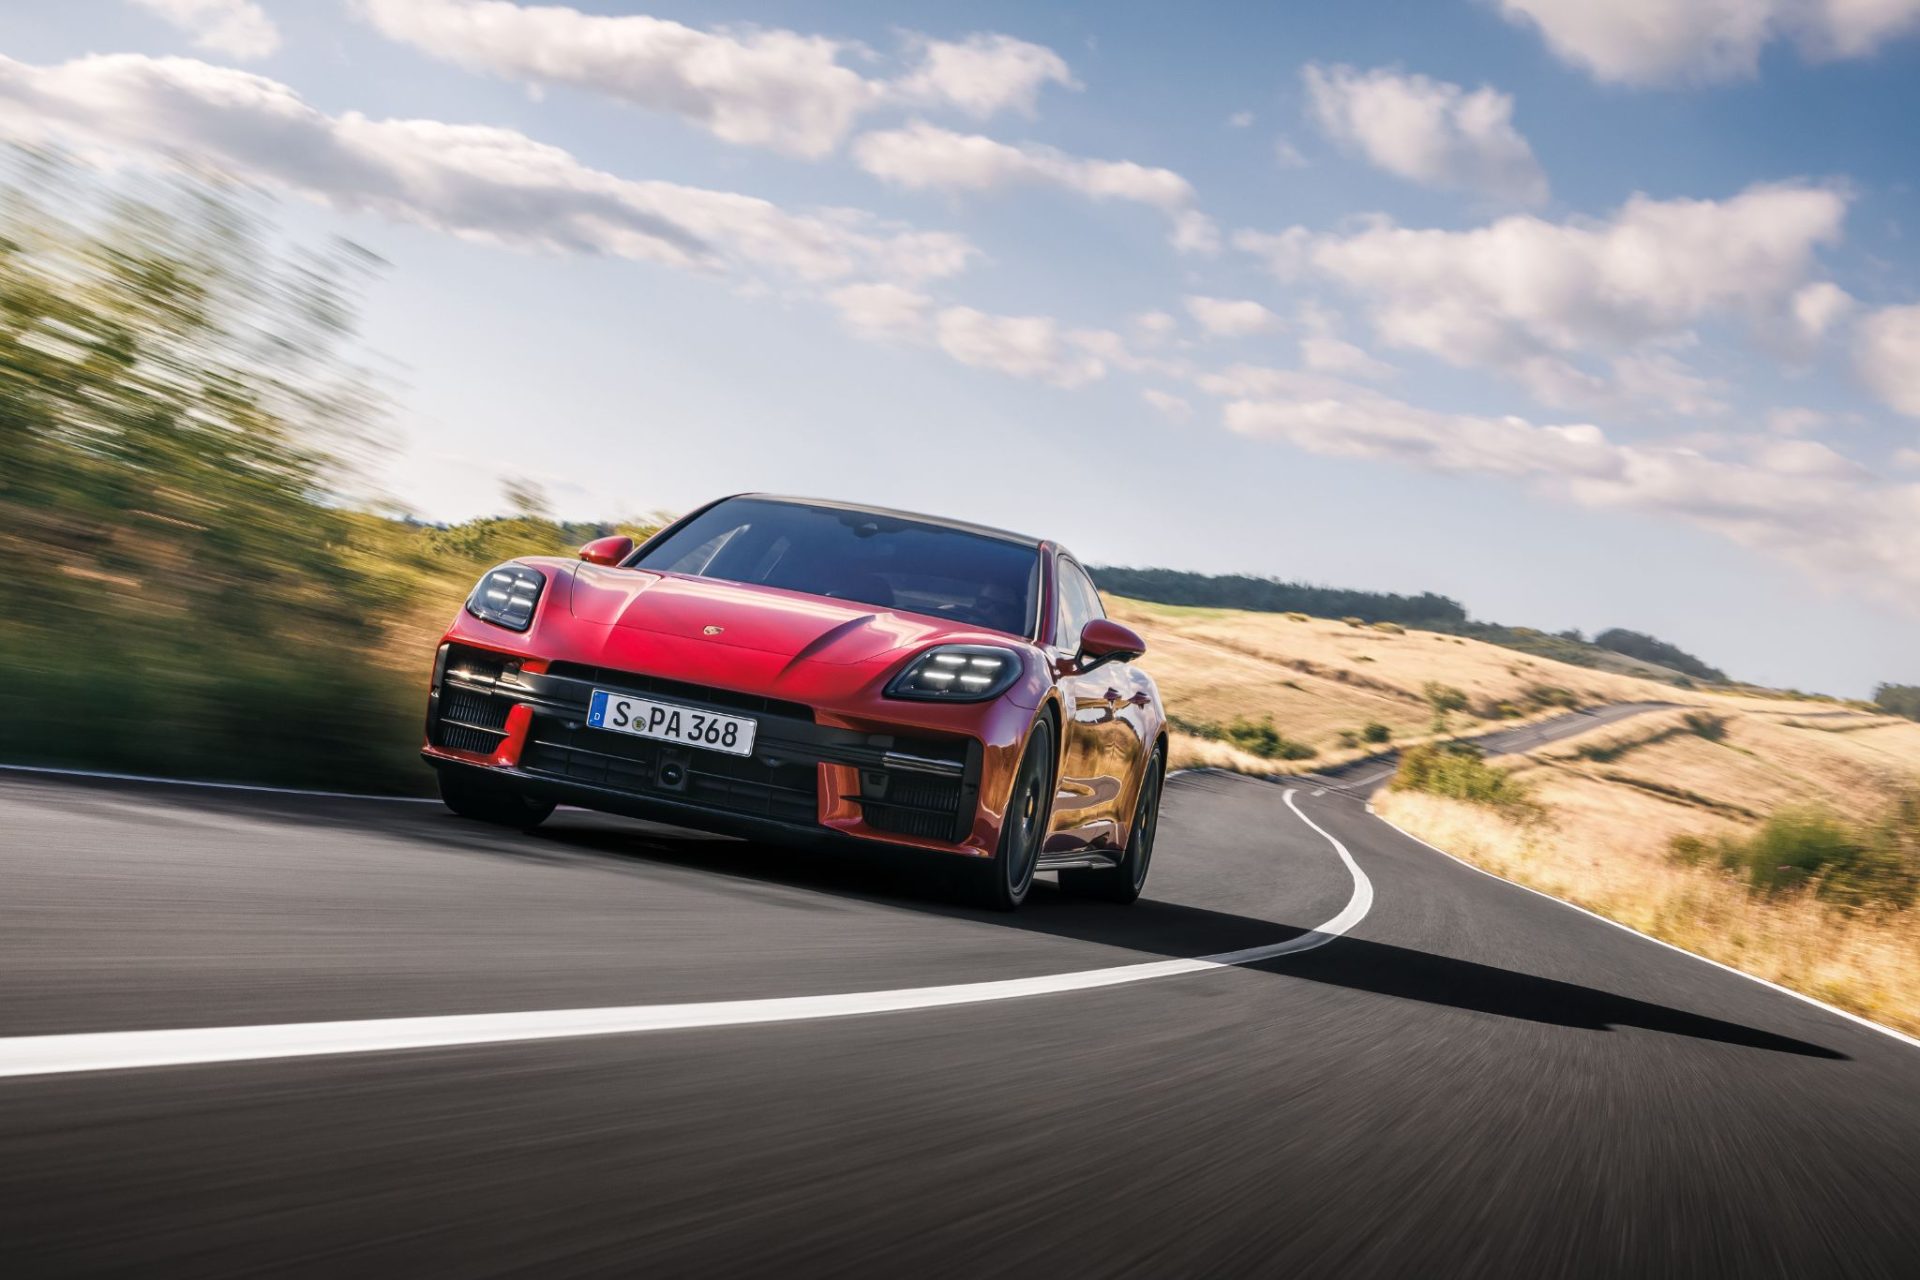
pixel 1586 315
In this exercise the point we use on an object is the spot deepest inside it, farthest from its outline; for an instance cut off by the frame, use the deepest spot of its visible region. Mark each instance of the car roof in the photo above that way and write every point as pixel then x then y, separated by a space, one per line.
pixel 942 522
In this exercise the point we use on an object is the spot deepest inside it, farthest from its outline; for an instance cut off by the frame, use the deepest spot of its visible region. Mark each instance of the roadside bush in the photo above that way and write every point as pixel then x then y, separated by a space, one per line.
pixel 1263 740
pixel 1877 865
pixel 1551 695
pixel 1255 738
pixel 1376 732
pixel 1460 771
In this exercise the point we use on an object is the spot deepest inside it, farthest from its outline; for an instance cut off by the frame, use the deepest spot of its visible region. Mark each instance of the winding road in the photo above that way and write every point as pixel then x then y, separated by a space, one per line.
pixel 245 1033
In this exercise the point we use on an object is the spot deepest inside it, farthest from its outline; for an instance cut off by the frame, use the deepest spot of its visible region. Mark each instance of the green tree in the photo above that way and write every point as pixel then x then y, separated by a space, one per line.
pixel 1899 700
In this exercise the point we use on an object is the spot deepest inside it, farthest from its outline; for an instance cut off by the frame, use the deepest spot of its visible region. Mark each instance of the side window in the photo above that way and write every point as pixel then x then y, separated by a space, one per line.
pixel 1079 604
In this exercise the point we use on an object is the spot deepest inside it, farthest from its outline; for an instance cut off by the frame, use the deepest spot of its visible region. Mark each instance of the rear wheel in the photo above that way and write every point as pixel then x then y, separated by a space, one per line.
pixel 1123 882
pixel 1003 882
pixel 476 796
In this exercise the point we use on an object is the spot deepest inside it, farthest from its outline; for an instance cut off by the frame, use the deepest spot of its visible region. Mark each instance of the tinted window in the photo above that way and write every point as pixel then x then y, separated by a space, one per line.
pixel 1079 604
pixel 886 561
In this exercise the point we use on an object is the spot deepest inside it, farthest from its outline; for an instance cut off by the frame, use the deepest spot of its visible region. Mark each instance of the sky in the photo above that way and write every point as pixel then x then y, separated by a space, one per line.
pixel 1585 315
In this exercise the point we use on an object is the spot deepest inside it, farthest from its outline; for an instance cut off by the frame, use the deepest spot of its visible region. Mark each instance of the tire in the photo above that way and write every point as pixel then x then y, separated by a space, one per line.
pixel 474 795
pixel 1001 883
pixel 1123 882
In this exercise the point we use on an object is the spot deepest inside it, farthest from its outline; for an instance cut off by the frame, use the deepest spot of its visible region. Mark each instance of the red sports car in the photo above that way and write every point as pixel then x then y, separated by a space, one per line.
pixel 814 671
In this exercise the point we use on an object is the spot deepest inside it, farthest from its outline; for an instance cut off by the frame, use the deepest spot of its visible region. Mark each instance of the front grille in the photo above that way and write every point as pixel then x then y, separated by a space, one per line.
pixel 926 808
pixel 640 766
pixel 630 682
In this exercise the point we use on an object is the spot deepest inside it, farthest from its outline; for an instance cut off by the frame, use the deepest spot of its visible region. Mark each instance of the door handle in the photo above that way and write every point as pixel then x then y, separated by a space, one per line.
pixel 1112 695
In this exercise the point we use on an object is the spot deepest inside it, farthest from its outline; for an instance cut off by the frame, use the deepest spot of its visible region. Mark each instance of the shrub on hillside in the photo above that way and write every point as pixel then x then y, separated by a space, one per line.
pixel 1376 732
pixel 1459 771
pixel 1261 739
pixel 1292 616
pixel 1391 628
pixel 1707 725
pixel 1876 865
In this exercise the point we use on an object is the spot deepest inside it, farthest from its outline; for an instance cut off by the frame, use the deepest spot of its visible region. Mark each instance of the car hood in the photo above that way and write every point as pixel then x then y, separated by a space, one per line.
pixel 786 624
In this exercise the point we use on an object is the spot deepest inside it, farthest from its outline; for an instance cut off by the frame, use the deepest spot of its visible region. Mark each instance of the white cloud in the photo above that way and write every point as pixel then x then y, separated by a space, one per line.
pixel 921 156
pixel 1323 350
pixel 1230 317
pixel 753 86
pixel 1661 379
pixel 984 74
pixel 1285 254
pixel 477 182
pixel 1887 354
pixel 769 88
pixel 1427 131
pixel 882 312
pixel 1195 232
pixel 1794 500
pixel 1523 295
pixel 1020 346
pixel 1169 406
pixel 1240 120
pixel 1644 42
pixel 1154 327
pixel 1907 459
pixel 1286 155
pixel 1816 308
pixel 1795 422
pixel 237 28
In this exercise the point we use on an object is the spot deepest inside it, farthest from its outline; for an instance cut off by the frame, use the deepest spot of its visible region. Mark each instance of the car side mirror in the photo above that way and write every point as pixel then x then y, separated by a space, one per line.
pixel 1103 640
pixel 607 550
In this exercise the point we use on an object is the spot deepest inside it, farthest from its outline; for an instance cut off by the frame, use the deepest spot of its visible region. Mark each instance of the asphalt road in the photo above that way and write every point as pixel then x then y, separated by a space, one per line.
pixel 1473 1080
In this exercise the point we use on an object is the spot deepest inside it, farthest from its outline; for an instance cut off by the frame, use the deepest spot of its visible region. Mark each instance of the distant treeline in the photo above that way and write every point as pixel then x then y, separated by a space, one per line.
pixel 1646 648
pixel 1270 595
pixel 1428 611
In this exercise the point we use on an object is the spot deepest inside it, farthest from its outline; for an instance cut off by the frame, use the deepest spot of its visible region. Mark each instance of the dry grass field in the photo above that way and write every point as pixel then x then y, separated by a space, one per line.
pixel 1610 802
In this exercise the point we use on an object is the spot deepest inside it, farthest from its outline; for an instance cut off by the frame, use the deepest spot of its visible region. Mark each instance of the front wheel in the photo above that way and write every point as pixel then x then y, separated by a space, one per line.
pixel 1002 883
pixel 1122 883
pixel 476 796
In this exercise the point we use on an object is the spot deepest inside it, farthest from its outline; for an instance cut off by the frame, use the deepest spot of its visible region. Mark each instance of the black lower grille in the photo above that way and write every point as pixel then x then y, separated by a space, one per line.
pixel 733 784
pixel 927 808
pixel 470 718
pixel 459 737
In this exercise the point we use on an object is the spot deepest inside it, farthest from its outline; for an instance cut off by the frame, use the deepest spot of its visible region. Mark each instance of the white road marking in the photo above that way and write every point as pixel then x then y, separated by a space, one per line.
pixel 211 786
pixel 1868 1023
pixel 121 1050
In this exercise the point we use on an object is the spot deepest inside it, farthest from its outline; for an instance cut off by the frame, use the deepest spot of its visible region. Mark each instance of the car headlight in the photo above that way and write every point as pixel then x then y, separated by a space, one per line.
pixel 957 673
pixel 507 596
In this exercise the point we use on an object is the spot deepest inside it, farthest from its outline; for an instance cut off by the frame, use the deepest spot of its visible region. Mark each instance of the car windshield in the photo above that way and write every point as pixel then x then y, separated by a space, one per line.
pixel 866 557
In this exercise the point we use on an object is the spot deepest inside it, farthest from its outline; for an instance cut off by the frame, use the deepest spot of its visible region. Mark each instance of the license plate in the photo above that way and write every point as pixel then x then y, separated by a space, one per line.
pixel 708 730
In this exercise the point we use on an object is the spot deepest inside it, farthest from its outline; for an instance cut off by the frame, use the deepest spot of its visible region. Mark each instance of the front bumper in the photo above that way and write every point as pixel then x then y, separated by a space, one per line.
pixel 526 719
